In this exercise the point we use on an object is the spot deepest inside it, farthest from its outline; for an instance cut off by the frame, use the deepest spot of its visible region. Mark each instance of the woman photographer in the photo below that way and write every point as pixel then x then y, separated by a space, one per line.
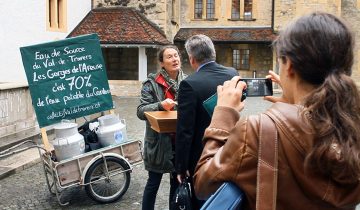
pixel 317 120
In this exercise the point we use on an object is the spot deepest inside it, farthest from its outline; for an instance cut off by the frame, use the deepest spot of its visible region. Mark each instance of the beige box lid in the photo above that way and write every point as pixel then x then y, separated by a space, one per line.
pixel 162 121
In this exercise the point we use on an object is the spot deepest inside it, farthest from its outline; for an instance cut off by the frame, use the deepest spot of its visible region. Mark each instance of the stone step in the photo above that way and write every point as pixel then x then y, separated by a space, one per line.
pixel 18 137
pixel 25 154
pixel 18 162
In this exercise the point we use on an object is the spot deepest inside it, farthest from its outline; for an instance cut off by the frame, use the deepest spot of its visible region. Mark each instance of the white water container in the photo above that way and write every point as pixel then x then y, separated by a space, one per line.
pixel 111 130
pixel 68 141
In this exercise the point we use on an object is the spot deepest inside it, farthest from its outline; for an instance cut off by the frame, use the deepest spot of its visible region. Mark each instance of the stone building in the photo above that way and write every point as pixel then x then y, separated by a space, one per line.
pixel 242 35
pixel 242 30
pixel 127 39
pixel 285 10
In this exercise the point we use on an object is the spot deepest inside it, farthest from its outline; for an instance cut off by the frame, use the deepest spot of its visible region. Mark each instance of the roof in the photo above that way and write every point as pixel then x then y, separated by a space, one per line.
pixel 228 34
pixel 121 25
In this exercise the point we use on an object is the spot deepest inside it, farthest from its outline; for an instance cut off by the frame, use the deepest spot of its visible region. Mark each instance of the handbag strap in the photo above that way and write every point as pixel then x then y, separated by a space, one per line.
pixel 267 165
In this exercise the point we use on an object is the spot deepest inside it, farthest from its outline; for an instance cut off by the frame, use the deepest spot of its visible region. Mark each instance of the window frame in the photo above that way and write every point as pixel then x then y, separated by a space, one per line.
pixel 248 8
pixel 198 9
pixel 56 15
pixel 235 12
pixel 210 9
pixel 239 58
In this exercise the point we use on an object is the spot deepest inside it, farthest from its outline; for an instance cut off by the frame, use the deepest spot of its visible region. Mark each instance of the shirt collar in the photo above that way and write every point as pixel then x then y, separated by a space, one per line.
pixel 203 65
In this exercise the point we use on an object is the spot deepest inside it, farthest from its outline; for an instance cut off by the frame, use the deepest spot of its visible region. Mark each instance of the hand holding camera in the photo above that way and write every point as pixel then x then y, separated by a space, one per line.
pixel 276 79
pixel 230 93
pixel 233 92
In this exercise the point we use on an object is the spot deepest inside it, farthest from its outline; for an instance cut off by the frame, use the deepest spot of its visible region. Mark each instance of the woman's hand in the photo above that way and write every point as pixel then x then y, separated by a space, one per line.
pixel 230 93
pixel 276 79
pixel 168 104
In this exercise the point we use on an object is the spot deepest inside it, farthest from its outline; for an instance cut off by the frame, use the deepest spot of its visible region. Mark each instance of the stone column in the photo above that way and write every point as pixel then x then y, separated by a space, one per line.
pixel 142 64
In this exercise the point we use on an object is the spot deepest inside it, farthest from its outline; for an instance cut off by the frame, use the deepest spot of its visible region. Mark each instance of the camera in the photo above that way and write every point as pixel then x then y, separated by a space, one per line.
pixel 257 87
pixel 254 87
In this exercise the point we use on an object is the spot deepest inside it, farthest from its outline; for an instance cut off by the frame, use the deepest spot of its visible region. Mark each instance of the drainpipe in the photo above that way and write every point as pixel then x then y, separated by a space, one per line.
pixel 273 15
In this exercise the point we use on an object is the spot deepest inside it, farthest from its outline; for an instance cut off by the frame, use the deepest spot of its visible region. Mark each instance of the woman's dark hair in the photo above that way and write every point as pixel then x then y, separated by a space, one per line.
pixel 320 48
pixel 162 50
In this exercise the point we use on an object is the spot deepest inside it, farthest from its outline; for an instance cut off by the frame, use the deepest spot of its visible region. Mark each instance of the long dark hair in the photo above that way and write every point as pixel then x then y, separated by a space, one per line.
pixel 320 48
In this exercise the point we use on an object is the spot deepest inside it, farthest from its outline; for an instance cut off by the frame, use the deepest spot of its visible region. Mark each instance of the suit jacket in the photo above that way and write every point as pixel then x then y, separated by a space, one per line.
pixel 192 119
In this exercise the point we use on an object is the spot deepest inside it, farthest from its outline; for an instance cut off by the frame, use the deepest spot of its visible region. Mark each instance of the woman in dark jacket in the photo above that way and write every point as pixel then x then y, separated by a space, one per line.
pixel 159 93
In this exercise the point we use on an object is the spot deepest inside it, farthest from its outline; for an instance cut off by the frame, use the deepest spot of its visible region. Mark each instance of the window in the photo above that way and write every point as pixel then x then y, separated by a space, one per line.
pixel 56 15
pixel 241 59
pixel 241 9
pixel 236 59
pixel 235 9
pixel 198 9
pixel 247 9
pixel 210 9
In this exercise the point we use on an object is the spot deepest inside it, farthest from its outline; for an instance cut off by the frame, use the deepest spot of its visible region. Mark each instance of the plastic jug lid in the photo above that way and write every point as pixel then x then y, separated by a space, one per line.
pixel 65 125
pixel 110 119
pixel 65 129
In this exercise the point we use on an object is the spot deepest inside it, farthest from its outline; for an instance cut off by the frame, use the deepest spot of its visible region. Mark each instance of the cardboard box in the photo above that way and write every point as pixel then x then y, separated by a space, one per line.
pixel 162 121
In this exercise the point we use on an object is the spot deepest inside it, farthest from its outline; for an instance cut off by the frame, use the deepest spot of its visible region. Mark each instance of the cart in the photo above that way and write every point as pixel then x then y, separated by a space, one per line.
pixel 104 172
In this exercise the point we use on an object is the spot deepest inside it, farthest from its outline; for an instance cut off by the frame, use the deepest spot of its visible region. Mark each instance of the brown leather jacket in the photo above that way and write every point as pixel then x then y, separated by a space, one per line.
pixel 230 154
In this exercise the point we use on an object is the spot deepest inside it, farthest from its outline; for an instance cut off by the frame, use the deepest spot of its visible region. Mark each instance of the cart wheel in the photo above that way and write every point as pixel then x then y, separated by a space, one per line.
pixel 105 188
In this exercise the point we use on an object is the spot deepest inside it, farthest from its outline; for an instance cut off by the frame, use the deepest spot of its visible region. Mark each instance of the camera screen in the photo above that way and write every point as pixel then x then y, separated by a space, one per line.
pixel 258 87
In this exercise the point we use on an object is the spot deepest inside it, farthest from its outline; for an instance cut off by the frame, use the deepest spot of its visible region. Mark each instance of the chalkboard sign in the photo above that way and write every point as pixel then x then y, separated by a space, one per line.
pixel 67 78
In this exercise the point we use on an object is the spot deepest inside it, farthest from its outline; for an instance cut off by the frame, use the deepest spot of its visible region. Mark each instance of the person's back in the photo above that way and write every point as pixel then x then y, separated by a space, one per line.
pixel 215 75
pixel 296 190
pixel 317 121
pixel 192 117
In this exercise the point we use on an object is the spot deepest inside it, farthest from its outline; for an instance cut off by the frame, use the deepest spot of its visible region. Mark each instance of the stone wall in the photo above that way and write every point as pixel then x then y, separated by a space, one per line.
pixel 351 13
pixel 153 65
pixel 286 10
pixel 125 88
pixel 157 11
pixel 261 14
pixel 169 15
pixel 260 58
pixel 16 111
pixel 121 63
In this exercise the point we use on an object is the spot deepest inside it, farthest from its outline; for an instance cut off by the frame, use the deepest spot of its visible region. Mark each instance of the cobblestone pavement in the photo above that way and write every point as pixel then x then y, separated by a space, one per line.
pixel 28 190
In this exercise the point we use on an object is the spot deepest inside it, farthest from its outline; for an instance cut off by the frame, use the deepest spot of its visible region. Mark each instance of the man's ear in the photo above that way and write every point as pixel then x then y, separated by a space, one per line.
pixel 191 60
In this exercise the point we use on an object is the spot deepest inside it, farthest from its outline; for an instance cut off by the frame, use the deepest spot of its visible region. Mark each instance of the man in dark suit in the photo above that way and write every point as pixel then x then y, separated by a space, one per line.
pixel 192 119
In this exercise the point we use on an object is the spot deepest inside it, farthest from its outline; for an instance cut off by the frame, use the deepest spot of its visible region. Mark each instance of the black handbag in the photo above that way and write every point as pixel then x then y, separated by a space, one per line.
pixel 90 137
pixel 182 197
